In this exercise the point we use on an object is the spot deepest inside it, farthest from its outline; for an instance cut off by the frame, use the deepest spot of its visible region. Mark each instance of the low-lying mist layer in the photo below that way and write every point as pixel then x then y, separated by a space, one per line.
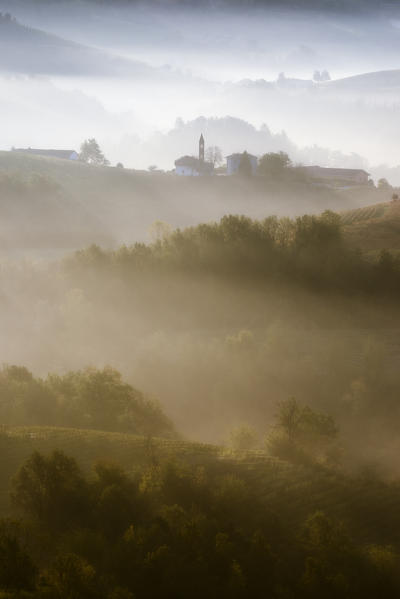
pixel 221 321
pixel 50 205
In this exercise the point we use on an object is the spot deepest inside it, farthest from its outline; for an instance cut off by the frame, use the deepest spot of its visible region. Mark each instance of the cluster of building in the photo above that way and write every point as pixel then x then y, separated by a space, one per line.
pixel 190 166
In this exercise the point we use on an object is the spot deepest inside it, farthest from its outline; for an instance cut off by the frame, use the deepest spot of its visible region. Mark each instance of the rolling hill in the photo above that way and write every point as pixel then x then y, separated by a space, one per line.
pixel 30 51
pixel 374 228
pixel 365 504
pixel 88 446
pixel 83 204
pixel 375 82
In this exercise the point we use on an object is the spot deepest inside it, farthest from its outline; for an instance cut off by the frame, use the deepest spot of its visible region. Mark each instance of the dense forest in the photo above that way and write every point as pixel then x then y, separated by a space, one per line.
pixel 270 337
pixel 178 529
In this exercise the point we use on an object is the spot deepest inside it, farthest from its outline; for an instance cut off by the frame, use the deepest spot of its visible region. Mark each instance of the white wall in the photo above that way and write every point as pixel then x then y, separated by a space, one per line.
pixel 186 171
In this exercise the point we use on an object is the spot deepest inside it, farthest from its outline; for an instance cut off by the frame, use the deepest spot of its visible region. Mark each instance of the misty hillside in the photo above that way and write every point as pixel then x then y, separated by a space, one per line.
pixel 53 203
pixel 32 51
pixel 89 446
pixel 379 81
pixel 290 490
pixel 176 527
pixel 330 5
pixel 199 299
pixel 376 82
pixel 374 228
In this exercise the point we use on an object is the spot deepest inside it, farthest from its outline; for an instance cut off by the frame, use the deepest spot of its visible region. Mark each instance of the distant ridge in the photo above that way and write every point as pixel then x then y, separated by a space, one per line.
pixel 346 6
pixel 32 51
pixel 374 81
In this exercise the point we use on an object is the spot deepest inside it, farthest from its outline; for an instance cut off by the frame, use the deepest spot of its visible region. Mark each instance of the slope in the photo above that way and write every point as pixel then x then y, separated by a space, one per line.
pixel 113 205
pixel 32 51
pixel 365 504
pixel 374 228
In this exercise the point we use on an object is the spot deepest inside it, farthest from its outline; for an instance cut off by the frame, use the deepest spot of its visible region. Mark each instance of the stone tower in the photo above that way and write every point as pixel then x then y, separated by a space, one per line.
pixel 201 148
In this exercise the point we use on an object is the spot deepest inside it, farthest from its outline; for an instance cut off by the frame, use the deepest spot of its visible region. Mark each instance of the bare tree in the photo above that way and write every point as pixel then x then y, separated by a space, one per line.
pixel 214 155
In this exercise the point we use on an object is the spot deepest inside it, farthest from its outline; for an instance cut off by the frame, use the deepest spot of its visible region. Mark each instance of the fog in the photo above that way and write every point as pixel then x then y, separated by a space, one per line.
pixel 200 365
pixel 215 353
pixel 146 80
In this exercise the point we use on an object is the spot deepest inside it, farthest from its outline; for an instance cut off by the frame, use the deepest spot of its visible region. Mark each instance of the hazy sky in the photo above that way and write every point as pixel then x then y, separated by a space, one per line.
pixel 123 72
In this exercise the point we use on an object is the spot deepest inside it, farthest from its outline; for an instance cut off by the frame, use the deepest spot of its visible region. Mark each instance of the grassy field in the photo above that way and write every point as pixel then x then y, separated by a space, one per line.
pixel 374 228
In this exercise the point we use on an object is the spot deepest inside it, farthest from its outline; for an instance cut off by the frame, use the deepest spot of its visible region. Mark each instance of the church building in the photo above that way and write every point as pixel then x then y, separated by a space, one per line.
pixel 190 166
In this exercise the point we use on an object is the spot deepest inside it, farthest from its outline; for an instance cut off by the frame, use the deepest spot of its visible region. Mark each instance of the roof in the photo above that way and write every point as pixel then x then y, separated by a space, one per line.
pixel 187 161
pixel 240 154
pixel 51 153
pixel 337 171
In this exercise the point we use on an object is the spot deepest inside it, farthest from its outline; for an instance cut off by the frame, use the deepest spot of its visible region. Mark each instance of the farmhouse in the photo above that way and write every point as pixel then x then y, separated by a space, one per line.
pixel 233 163
pixel 63 154
pixel 190 166
pixel 346 176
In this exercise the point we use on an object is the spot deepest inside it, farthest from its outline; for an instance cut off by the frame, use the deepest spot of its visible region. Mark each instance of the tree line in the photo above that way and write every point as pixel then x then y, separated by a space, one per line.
pixel 87 399
pixel 309 251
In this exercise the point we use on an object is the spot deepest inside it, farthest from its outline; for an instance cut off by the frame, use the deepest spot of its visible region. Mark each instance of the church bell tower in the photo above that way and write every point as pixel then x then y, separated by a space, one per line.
pixel 201 148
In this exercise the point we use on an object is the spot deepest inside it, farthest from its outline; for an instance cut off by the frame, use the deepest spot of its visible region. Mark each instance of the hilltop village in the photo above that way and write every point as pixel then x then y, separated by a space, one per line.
pixel 209 162
pixel 243 163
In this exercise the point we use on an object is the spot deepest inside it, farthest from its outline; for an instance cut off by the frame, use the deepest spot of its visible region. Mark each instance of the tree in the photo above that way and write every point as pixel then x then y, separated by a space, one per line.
pixel 299 421
pixel 51 490
pixel 73 577
pixel 243 437
pixel 274 165
pixel 301 433
pixel 214 155
pixel 331 560
pixel 17 570
pixel 160 231
pixel 245 169
pixel 289 417
pixel 118 503
pixel 325 76
pixel 92 154
pixel 383 185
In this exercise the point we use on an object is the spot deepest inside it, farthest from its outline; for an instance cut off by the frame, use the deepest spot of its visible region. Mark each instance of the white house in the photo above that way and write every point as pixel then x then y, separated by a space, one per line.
pixel 233 163
pixel 63 154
